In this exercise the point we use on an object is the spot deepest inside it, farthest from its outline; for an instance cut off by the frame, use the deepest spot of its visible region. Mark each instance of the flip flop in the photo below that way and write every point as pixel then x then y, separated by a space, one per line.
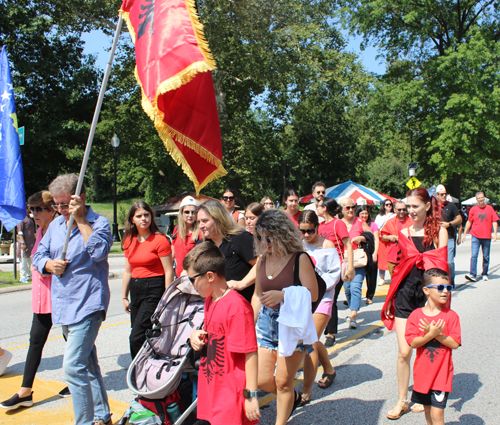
pixel 296 401
pixel 304 400
pixel 327 380
pixel 417 408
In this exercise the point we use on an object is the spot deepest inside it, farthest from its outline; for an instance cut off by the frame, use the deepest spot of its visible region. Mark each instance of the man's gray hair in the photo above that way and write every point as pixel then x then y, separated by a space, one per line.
pixel 477 193
pixel 400 202
pixel 65 183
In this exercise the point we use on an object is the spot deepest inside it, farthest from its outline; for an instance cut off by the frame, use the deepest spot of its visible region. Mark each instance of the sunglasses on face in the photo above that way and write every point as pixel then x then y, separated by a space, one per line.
pixel 320 192
pixel 60 207
pixel 308 231
pixel 350 208
pixel 189 212
pixel 191 279
pixel 228 198
pixel 441 288
pixel 388 205
pixel 401 209
pixel 268 239
pixel 38 209
pixel 268 203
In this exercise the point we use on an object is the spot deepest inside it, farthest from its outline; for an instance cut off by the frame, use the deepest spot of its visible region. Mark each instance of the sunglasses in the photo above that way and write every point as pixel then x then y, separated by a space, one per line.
pixel 321 192
pixel 400 209
pixel 388 205
pixel 441 194
pixel 60 207
pixel 308 231
pixel 268 203
pixel 189 212
pixel 191 279
pixel 268 239
pixel 38 209
pixel 228 198
pixel 440 288
pixel 350 208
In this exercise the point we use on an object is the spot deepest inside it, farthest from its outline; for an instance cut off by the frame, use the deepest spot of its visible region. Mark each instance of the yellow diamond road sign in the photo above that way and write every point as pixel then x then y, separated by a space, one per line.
pixel 413 183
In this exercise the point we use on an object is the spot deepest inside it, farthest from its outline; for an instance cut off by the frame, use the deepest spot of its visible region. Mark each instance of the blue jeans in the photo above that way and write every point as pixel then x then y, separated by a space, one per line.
pixel 451 257
pixel 353 288
pixel 485 245
pixel 82 371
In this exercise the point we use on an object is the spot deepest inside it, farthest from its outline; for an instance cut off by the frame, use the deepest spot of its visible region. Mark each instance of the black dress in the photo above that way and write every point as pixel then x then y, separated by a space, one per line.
pixel 410 295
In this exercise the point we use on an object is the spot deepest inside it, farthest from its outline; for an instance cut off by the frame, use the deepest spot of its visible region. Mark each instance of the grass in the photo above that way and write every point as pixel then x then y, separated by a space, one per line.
pixel 9 278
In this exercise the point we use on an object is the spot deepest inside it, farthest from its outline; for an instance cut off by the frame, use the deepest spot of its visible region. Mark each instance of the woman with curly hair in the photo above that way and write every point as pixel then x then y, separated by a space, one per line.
pixel 235 243
pixel 148 270
pixel 277 241
pixel 424 238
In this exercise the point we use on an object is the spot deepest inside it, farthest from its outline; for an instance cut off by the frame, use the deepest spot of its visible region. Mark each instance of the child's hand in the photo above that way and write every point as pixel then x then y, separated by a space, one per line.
pixel 271 298
pixel 198 338
pixel 436 328
pixel 252 408
pixel 424 326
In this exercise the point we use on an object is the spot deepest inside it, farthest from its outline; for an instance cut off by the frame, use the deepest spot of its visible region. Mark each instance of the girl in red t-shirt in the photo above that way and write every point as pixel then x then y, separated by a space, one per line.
pixel 186 233
pixel 148 270
pixel 291 201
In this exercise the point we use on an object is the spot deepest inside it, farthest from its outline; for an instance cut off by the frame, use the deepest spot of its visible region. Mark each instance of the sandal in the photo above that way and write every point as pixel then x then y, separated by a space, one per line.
pixel 326 380
pixel 369 301
pixel 417 408
pixel 296 402
pixel 403 409
pixel 304 400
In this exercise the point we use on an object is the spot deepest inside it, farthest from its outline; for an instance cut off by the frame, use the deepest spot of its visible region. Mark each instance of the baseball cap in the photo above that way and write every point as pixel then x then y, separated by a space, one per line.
pixel 440 189
pixel 188 200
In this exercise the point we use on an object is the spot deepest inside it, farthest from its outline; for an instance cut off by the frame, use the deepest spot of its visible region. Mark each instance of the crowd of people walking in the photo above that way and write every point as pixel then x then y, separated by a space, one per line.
pixel 271 263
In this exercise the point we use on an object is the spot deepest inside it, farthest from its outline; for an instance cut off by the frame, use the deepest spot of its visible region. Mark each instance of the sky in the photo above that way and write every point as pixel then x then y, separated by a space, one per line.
pixel 98 43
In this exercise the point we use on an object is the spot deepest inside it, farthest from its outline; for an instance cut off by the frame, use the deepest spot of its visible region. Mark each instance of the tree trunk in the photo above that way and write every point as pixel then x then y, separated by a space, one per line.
pixel 456 184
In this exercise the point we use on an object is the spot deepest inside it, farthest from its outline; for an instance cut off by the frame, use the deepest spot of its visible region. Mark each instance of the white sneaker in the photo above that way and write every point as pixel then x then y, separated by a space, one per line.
pixel 353 324
pixel 381 282
pixel 4 361
pixel 485 277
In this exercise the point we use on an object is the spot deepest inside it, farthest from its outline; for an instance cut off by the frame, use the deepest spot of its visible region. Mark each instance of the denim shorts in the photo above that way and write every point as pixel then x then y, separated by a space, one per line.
pixel 267 331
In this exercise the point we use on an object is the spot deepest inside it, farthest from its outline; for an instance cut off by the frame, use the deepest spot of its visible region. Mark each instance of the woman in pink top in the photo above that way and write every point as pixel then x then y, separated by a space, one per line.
pixel 355 227
pixel 41 205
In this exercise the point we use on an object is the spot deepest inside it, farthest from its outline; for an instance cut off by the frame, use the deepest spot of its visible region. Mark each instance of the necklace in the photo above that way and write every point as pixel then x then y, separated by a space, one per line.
pixel 271 275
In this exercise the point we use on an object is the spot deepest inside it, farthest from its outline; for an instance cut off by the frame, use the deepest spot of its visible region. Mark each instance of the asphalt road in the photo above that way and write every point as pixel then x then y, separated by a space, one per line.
pixel 365 387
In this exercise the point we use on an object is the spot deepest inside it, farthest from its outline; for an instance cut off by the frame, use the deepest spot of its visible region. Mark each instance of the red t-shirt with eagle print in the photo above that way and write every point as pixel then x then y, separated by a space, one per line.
pixel 433 368
pixel 221 378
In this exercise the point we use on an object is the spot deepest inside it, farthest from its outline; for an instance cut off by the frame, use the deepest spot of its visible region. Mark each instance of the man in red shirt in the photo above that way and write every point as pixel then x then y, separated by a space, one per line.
pixel 390 233
pixel 480 220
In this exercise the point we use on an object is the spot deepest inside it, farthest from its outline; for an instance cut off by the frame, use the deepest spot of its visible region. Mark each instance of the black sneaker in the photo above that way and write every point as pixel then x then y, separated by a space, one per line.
pixel 15 402
pixel 330 341
pixel 64 393
pixel 471 277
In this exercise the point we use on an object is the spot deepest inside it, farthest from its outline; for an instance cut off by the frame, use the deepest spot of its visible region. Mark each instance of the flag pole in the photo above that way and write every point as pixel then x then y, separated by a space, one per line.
pixel 92 128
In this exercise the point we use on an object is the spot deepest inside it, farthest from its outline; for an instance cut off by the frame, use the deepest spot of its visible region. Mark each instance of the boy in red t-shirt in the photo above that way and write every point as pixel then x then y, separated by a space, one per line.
pixel 435 331
pixel 227 379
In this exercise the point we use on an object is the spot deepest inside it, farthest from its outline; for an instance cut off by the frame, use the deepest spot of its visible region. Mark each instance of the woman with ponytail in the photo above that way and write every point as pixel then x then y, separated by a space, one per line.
pixel 424 241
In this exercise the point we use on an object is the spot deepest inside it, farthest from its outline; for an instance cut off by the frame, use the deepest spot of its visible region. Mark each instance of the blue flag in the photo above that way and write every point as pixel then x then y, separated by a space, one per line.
pixel 12 197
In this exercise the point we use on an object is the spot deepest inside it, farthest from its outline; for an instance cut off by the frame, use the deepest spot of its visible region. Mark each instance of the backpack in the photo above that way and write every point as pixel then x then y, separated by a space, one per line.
pixel 319 279
pixel 159 407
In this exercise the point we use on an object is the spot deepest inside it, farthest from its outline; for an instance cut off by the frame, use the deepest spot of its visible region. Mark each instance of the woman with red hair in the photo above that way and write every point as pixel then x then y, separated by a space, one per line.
pixel 423 242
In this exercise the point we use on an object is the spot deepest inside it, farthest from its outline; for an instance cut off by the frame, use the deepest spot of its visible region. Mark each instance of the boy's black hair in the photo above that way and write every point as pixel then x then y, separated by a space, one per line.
pixel 430 274
pixel 204 257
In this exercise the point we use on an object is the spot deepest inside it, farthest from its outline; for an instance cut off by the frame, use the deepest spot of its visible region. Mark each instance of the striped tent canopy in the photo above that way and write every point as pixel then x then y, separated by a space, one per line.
pixel 360 194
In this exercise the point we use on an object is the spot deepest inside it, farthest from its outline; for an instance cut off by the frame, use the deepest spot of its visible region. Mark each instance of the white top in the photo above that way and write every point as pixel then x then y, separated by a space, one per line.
pixel 328 266
pixel 296 321
pixel 380 220
pixel 312 207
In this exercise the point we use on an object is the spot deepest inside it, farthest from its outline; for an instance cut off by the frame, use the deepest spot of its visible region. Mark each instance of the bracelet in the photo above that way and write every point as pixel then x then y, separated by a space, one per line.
pixel 23 243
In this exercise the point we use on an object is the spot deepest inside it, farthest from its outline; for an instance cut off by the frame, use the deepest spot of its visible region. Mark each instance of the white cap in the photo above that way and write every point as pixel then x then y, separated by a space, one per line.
pixel 188 200
pixel 440 189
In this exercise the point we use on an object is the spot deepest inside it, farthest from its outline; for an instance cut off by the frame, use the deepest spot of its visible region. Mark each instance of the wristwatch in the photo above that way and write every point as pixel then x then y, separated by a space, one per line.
pixel 249 394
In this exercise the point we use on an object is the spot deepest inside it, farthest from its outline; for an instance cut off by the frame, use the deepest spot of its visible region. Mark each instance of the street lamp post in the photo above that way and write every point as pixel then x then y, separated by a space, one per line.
pixel 115 142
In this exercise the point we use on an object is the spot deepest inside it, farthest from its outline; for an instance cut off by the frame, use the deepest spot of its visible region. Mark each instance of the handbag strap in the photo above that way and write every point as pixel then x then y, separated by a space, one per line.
pixel 296 278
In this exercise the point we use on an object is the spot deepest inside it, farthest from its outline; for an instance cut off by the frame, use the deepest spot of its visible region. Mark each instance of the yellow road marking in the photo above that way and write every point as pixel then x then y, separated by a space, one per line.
pixel 49 408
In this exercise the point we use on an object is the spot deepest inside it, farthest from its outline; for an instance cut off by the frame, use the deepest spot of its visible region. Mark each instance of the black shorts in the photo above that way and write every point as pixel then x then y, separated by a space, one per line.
pixel 432 398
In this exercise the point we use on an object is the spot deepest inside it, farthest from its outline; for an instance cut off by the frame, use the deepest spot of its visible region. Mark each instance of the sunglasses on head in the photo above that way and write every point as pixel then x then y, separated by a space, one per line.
pixel 191 279
pixel 440 288
pixel 308 231
pixel 268 239
pixel 228 198
pixel 38 209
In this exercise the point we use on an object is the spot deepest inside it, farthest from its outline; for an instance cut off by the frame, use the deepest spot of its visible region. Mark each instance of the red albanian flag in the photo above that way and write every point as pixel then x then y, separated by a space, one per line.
pixel 173 67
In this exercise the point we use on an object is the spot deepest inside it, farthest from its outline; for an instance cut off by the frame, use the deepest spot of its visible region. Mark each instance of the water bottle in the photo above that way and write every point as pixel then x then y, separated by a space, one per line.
pixel 174 412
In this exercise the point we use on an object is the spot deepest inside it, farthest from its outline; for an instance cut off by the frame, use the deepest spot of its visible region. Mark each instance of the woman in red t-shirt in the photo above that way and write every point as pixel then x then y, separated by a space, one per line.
pixel 148 270
pixel 335 230
pixel 186 233
pixel 291 201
